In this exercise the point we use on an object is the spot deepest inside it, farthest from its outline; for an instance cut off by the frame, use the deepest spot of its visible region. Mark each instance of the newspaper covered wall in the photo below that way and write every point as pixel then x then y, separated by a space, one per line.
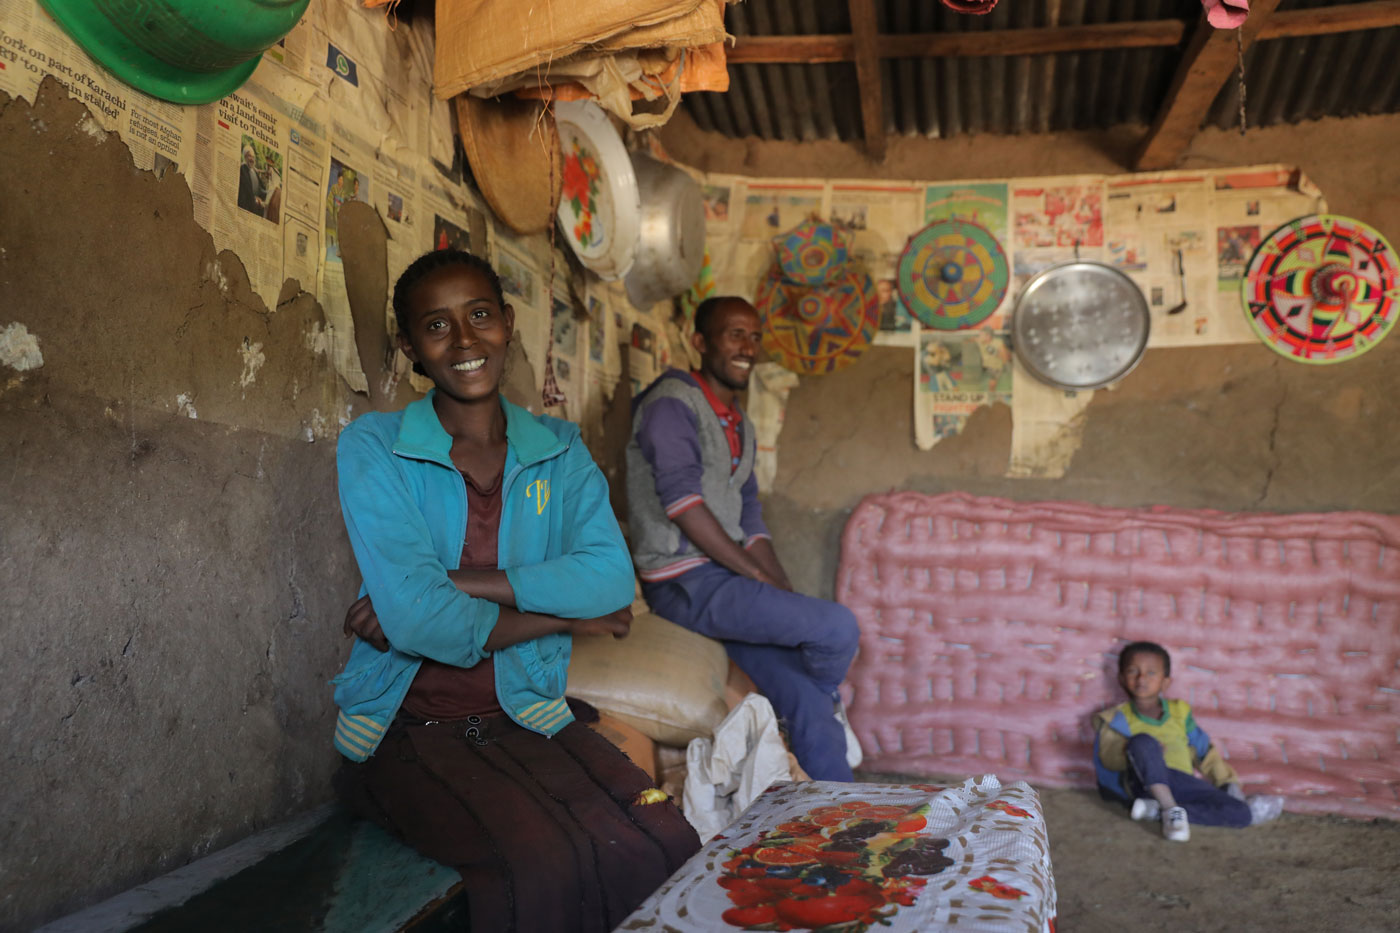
pixel 32 47
pixel 1182 237
pixel 341 109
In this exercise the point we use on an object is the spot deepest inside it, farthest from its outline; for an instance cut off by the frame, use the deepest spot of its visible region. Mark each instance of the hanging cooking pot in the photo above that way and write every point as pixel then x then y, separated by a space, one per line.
pixel 671 247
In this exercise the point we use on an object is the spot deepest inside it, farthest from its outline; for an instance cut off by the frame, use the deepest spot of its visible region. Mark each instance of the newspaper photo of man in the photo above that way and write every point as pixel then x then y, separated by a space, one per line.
pixel 345 184
pixel 260 179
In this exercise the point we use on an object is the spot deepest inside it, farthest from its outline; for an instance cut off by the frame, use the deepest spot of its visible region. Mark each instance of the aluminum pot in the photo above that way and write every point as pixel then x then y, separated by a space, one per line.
pixel 671 248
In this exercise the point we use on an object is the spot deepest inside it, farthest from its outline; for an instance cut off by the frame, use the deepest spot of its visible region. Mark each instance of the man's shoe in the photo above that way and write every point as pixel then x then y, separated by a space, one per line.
pixel 1175 826
pixel 1145 808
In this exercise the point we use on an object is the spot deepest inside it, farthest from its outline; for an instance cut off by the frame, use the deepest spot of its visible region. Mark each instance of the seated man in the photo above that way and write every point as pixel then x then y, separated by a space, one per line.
pixel 704 555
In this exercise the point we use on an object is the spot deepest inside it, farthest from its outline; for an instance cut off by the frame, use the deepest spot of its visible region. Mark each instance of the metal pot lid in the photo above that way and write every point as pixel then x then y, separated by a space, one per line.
pixel 1080 325
pixel 671 244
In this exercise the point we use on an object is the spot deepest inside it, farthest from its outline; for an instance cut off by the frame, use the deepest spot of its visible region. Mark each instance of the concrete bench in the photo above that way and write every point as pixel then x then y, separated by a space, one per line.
pixel 322 871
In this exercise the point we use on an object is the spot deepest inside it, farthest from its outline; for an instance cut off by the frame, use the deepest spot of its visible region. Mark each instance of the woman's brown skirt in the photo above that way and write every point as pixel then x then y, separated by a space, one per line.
pixel 543 830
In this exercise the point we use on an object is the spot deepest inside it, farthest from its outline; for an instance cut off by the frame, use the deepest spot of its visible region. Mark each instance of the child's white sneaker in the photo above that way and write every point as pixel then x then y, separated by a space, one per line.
pixel 854 755
pixel 1175 826
pixel 1264 807
pixel 1145 808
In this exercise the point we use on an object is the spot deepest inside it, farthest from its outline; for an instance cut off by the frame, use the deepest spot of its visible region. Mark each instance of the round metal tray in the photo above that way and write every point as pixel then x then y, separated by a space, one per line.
pixel 1080 325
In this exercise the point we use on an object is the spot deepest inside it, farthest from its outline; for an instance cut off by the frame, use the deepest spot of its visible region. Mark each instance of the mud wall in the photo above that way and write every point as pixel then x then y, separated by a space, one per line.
pixel 173 567
pixel 1235 428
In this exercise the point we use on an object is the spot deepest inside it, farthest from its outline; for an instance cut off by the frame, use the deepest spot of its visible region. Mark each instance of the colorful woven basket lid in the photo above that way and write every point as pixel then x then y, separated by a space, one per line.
pixel 1322 289
pixel 817 329
pixel 184 51
pixel 812 253
pixel 952 275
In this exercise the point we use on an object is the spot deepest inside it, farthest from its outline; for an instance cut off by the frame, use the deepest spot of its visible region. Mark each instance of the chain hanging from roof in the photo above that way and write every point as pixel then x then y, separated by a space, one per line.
pixel 1239 50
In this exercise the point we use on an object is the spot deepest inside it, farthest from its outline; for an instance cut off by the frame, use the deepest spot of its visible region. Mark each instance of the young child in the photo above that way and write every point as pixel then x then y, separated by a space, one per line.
pixel 1149 749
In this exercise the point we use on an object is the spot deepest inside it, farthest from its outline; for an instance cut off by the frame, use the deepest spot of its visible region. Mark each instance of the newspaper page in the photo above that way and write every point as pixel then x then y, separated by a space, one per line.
pixel 643 362
pixel 525 286
pixel 422 210
pixel 1057 212
pixel 955 373
pixel 606 301
pixel 567 341
pixel 350 175
pixel 724 208
pixel 32 46
pixel 771 208
pixel 602 362
pixel 296 50
pixel 255 177
pixel 377 78
pixel 1054 220
pixel 1158 229
pixel 1249 204
pixel 247 158
pixel 766 407
pixel 880 219
pixel 1047 426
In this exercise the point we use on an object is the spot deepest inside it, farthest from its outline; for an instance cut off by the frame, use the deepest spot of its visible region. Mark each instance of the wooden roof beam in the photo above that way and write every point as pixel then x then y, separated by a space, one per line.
pixel 1209 60
pixel 819 49
pixel 865 41
pixel 1321 21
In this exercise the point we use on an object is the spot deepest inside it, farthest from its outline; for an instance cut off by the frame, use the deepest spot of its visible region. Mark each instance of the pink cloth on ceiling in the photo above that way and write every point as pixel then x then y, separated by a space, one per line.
pixel 1226 14
pixel 970 6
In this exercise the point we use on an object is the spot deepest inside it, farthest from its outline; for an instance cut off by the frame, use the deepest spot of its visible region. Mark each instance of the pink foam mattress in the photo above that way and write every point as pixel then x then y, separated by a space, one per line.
pixel 990 631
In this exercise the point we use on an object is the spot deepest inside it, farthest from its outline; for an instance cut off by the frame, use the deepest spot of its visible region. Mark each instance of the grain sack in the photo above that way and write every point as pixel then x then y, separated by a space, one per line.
pixel 662 679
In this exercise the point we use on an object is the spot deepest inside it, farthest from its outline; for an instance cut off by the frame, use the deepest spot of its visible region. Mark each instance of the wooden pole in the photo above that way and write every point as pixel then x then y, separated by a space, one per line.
pixel 1210 59
pixel 865 38
pixel 818 49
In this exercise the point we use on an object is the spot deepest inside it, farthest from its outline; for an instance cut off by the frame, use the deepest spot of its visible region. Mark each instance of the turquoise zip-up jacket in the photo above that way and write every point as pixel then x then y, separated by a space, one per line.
pixel 405 507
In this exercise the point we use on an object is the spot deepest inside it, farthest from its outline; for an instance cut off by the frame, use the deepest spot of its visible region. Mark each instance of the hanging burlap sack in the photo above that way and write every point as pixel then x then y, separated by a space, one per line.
pixel 481 41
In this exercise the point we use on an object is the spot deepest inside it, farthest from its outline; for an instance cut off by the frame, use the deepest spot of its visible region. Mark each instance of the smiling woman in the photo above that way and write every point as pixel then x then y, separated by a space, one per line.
pixel 487 545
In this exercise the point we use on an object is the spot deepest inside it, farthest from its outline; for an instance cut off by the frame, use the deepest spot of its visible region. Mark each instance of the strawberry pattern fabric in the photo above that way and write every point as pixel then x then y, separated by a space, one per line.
pixel 850 858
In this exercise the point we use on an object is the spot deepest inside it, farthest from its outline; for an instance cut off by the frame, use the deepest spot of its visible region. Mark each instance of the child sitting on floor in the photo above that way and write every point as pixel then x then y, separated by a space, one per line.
pixel 1148 750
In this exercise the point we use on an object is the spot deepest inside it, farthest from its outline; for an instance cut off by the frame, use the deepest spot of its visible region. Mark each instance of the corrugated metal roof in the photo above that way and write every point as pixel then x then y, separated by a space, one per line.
pixel 1286 80
pixel 1306 78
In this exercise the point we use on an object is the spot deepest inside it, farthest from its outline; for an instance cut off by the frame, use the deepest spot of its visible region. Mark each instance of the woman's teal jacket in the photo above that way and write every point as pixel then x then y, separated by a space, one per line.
pixel 405 507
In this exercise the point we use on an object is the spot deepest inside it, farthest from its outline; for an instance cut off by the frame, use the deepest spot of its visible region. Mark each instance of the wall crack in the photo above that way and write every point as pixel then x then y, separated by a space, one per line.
pixel 1273 439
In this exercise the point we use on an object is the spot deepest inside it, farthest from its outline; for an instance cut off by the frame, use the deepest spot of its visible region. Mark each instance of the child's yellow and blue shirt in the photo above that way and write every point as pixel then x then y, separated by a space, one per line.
pixel 1185 745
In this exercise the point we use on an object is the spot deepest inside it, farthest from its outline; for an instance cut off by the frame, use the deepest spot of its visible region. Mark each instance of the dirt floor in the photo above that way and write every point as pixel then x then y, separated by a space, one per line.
pixel 1314 873
pixel 1300 873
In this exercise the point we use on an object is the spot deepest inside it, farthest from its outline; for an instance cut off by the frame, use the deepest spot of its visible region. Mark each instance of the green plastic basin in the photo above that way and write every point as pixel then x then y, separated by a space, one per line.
pixel 185 51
